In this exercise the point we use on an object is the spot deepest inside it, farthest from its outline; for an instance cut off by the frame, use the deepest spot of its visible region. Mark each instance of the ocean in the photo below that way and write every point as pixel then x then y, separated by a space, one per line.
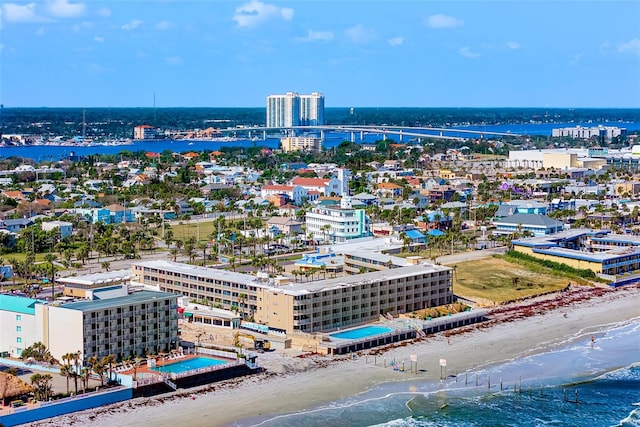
pixel 332 139
pixel 579 383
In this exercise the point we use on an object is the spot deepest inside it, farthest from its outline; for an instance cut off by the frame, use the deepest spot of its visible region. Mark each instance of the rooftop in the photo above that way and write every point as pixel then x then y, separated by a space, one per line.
pixel 131 299
pixel 341 282
pixel 18 304
pixel 95 278
pixel 191 270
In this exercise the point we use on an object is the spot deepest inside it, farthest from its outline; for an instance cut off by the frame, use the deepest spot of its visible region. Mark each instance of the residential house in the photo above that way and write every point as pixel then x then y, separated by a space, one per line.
pixel 66 228
pixel 389 189
pixel 366 198
pixel 286 225
pixel 538 225
pixel 326 186
pixel 15 225
pixel 295 193
pixel 435 220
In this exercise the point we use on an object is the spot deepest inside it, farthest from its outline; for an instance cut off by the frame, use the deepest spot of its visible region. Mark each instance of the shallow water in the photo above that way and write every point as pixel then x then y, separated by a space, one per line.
pixel 577 383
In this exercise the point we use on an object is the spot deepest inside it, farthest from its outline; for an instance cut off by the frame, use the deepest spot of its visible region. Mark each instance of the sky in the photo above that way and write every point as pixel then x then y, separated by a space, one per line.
pixel 359 53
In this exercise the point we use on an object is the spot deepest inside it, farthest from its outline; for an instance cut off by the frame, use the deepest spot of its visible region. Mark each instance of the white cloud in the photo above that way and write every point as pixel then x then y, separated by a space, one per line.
pixel 135 23
pixel 98 39
pixel 632 47
pixel 395 41
pixel 256 12
pixel 64 9
pixel 313 36
pixel 40 31
pixel 360 34
pixel 12 12
pixel 173 60
pixel 165 25
pixel 105 12
pixel 443 21
pixel 467 52
pixel 513 45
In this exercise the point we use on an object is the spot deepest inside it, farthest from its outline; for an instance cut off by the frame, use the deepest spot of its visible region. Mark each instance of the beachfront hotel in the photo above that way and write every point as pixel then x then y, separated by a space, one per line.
pixel 127 325
pixel 305 307
pixel 136 324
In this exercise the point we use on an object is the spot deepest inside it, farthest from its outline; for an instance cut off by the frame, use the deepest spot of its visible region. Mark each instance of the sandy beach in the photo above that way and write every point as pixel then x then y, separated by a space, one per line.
pixel 295 384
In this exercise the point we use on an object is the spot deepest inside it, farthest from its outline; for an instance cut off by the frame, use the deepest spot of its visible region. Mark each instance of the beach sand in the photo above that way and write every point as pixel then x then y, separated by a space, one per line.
pixel 517 331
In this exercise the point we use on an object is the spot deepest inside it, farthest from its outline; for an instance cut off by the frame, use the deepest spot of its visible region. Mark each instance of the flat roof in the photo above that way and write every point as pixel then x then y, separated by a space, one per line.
pixel 96 278
pixel 341 282
pixel 131 299
pixel 192 270
pixel 18 304
pixel 588 256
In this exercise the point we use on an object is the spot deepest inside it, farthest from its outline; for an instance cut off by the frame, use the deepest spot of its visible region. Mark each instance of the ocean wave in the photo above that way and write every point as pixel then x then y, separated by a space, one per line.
pixel 633 419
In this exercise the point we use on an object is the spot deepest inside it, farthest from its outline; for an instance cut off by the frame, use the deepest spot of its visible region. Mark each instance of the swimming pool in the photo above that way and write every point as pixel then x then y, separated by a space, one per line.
pixel 189 365
pixel 363 332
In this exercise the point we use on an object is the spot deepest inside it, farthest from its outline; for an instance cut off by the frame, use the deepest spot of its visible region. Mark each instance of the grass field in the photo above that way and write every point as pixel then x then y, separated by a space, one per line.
pixel 497 280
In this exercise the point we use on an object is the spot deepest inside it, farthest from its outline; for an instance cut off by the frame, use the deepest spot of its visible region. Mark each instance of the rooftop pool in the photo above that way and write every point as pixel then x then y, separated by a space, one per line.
pixel 363 332
pixel 189 365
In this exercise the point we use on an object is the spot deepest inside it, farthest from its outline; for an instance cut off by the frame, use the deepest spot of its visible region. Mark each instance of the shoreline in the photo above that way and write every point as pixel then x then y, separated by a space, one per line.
pixel 515 331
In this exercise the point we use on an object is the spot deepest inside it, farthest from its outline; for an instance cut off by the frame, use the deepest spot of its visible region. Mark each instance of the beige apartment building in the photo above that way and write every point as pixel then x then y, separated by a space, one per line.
pixel 137 324
pixel 301 143
pixel 306 307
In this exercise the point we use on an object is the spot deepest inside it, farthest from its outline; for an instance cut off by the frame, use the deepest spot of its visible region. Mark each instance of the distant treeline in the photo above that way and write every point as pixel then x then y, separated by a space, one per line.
pixel 119 122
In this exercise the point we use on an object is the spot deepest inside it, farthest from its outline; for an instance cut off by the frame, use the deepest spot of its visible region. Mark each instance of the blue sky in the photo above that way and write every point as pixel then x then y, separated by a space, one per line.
pixel 360 53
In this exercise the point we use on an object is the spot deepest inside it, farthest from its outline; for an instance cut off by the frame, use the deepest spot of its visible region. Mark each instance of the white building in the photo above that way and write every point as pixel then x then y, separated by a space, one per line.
pixel 283 110
pixel 17 324
pixel 605 132
pixel 312 109
pixel 338 224
pixel 292 109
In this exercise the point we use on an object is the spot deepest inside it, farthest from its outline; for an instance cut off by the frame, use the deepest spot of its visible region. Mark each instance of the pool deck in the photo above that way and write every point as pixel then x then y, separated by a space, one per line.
pixel 144 373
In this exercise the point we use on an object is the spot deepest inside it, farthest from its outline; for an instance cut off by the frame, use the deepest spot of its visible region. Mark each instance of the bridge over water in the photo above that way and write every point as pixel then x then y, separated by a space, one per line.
pixel 361 130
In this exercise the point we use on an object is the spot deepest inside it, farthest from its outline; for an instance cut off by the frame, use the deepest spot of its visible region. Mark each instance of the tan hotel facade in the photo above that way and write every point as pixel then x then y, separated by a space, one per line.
pixel 306 307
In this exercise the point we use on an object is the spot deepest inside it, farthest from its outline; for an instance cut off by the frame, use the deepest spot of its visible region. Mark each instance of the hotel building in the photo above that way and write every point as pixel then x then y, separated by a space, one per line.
pixel 306 307
pixel 137 324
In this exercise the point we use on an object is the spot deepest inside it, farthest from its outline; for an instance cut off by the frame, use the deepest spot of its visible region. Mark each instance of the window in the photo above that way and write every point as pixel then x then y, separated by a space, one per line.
pixel 18 316
pixel 18 328
pixel 19 340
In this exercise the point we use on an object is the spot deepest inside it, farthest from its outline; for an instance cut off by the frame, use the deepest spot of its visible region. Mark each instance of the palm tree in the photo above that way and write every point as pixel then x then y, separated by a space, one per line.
pixel 66 369
pixel 42 386
pixel 109 360
pixel 203 247
pixel 50 258
pixel 76 368
pixel 105 265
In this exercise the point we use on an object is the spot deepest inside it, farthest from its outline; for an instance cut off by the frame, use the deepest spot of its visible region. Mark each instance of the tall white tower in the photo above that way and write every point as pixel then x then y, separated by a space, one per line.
pixel 292 109
pixel 283 110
